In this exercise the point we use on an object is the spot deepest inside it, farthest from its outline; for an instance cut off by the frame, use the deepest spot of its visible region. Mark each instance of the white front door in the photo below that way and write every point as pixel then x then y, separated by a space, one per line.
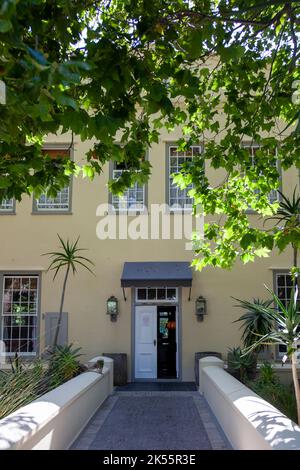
pixel 146 342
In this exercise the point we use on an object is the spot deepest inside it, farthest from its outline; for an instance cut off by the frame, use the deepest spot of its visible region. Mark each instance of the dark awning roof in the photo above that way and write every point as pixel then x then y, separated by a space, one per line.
pixel 163 273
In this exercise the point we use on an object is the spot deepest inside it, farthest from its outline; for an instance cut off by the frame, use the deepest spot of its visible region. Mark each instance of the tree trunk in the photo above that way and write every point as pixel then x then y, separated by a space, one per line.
pixel 296 383
pixel 295 260
pixel 295 256
pixel 61 308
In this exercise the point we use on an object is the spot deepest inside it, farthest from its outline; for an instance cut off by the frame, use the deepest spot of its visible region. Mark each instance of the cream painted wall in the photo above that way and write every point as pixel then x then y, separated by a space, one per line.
pixel 24 237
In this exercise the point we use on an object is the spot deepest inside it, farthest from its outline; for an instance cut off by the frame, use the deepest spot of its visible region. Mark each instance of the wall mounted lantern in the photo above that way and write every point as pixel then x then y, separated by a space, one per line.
pixel 112 308
pixel 200 308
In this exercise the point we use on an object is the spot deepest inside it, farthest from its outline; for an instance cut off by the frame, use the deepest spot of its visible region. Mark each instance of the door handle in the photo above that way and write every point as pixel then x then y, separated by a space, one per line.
pixel 154 342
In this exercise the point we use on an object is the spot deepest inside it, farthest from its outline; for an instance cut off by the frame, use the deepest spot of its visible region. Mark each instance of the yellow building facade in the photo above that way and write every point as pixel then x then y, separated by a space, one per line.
pixel 156 326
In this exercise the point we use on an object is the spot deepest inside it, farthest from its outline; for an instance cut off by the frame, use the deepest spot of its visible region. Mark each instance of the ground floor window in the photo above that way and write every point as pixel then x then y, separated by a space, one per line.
pixel 283 290
pixel 19 317
pixel 156 294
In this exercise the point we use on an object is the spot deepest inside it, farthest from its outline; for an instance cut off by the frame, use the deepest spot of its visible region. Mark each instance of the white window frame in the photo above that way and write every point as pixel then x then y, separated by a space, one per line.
pixel 55 209
pixel 271 195
pixel 176 206
pixel 118 201
pixel 27 315
pixel 52 205
pixel 156 300
pixel 285 299
pixel 10 206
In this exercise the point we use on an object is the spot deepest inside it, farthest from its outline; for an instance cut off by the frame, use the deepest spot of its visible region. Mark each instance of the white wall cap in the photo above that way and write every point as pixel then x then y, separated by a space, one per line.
pixel 211 360
pixel 225 382
pixel 98 358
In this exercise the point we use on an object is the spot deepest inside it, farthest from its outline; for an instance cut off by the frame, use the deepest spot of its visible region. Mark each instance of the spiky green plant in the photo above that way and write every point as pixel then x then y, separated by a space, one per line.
pixel 286 322
pixel 255 323
pixel 20 386
pixel 70 259
pixel 288 214
pixel 242 363
pixel 64 364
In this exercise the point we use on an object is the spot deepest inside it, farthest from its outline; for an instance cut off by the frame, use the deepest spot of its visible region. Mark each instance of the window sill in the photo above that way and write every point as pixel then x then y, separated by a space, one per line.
pixel 51 213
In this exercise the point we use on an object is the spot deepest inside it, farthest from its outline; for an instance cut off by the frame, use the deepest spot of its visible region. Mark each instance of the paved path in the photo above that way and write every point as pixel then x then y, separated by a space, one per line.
pixel 153 421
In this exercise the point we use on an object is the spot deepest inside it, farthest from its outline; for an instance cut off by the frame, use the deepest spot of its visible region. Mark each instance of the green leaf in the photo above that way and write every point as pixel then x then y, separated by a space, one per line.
pixel 5 25
pixel 38 56
pixel 66 100
pixel 4 182
pixel 247 240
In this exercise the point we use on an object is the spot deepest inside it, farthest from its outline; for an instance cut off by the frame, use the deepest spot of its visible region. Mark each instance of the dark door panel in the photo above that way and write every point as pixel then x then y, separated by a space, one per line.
pixel 166 342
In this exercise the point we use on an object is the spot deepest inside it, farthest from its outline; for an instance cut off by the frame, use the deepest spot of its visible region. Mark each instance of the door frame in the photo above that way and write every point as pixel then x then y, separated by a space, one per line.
pixel 178 305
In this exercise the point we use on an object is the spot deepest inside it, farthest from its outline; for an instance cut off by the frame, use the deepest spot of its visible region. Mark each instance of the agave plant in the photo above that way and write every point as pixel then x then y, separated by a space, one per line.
pixel 241 362
pixel 64 364
pixel 286 322
pixel 70 258
pixel 255 323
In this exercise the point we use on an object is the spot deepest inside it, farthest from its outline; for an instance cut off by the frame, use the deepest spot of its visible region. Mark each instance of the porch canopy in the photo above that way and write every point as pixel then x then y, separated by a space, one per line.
pixel 156 274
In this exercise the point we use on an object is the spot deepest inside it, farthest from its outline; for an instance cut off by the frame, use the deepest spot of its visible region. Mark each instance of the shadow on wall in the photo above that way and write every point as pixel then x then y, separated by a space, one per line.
pixel 275 427
pixel 16 426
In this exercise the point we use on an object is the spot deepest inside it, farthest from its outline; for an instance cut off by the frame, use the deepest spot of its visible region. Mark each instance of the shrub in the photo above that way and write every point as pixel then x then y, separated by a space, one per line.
pixel 26 382
pixel 64 364
pixel 20 386
pixel 239 365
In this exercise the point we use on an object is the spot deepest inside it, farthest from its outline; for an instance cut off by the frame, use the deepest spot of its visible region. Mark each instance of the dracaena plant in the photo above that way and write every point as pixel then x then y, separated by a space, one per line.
pixel 254 322
pixel 70 259
pixel 285 331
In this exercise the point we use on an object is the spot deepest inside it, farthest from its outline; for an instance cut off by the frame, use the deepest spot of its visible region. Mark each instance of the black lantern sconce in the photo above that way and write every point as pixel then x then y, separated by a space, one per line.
pixel 112 308
pixel 200 308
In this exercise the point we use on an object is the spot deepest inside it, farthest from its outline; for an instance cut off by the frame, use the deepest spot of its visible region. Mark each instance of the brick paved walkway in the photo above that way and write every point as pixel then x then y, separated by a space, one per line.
pixel 153 420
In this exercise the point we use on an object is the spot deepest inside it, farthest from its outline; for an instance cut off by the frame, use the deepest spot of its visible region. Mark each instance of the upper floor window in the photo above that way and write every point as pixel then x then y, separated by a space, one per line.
pixel 7 206
pixel 61 203
pixel 20 314
pixel 133 198
pixel 253 148
pixel 179 199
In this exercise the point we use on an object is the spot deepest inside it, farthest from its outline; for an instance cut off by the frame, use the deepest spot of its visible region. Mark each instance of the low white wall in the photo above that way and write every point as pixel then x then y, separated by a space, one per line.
pixel 248 421
pixel 55 420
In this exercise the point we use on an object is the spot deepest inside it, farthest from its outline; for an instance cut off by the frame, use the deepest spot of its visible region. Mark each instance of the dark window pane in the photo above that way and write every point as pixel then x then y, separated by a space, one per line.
pixel 33 283
pixel 281 293
pixel 23 346
pixel 171 294
pixel 161 294
pixel 280 280
pixel 141 295
pixel 16 283
pixel 151 294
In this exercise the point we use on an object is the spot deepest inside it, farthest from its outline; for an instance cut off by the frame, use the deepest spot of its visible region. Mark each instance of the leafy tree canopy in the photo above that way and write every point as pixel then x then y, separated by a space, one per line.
pixel 98 67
